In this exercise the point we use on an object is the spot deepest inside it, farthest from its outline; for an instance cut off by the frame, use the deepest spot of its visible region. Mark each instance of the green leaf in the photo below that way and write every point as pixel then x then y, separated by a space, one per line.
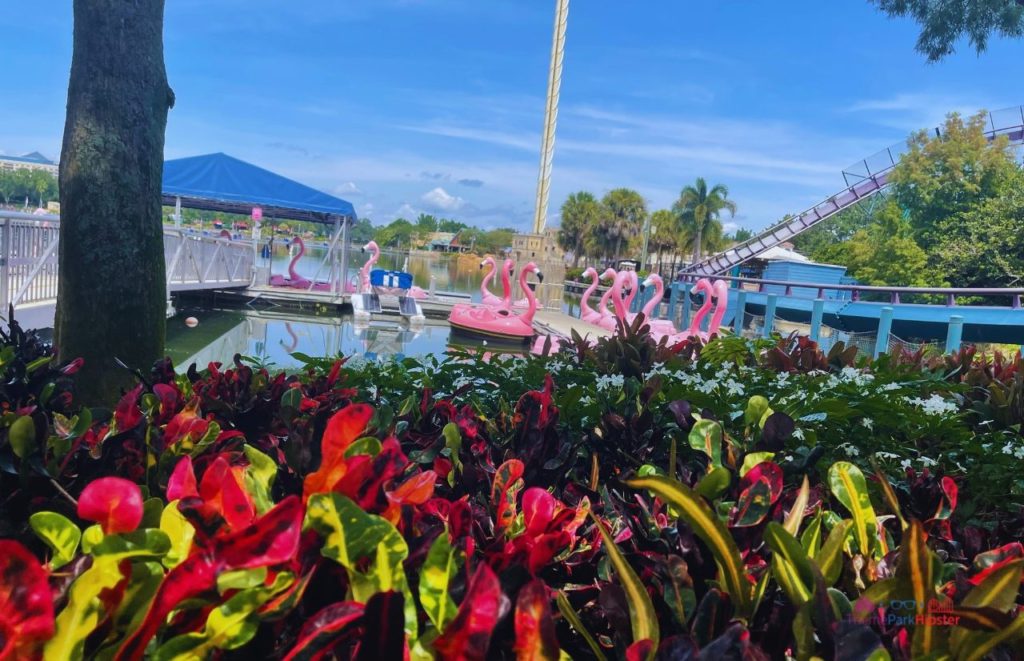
pixel 790 565
pixel 142 543
pixel 706 437
pixel 351 536
pixel 241 579
pixel 573 618
pixel 180 533
pixel 228 626
pixel 439 569
pixel 796 513
pixel 811 537
pixel 850 488
pixel 830 558
pixel 59 533
pixel 714 484
pixel 22 436
pixel 986 645
pixel 998 592
pixel 678 590
pixel 453 442
pixel 916 570
pixel 753 459
pixel 757 406
pixel 706 524
pixel 259 478
pixel 366 445
pixel 38 363
pixel 642 617
pixel 83 611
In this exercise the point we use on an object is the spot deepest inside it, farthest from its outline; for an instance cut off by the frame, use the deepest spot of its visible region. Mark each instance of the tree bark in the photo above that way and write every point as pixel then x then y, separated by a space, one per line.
pixel 696 243
pixel 111 300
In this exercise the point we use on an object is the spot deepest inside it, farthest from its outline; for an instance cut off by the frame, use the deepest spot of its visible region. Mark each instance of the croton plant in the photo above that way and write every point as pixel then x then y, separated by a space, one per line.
pixel 232 513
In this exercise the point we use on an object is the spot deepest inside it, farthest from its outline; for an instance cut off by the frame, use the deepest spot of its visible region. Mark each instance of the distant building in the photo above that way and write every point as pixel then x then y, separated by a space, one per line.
pixel 446 242
pixel 33 161
pixel 538 247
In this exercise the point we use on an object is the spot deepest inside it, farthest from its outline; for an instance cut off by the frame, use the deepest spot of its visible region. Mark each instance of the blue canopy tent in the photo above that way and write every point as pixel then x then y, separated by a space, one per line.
pixel 218 182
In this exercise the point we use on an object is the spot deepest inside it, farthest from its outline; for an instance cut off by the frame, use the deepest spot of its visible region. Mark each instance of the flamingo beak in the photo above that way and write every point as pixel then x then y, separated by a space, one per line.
pixel 540 276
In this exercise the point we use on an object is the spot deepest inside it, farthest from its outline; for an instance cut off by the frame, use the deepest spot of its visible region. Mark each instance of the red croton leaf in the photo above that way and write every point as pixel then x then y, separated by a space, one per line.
pixel 186 426
pixel 504 490
pixel 169 397
pixel 272 540
pixel 538 510
pixel 641 650
pixel 760 488
pixel 182 483
pixel 326 629
pixel 343 428
pixel 113 502
pixel 535 628
pixel 416 490
pixel 383 623
pixel 990 561
pixel 127 414
pixel 469 634
pixel 223 489
pixel 26 604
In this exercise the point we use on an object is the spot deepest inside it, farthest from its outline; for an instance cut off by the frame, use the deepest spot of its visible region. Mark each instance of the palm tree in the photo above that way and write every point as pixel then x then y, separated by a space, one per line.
pixel 665 236
pixel 698 207
pixel 580 212
pixel 625 211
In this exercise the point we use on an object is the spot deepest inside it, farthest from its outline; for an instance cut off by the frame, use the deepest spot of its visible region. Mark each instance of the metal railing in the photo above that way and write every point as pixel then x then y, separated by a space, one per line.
pixel 29 271
pixel 894 294
pixel 863 179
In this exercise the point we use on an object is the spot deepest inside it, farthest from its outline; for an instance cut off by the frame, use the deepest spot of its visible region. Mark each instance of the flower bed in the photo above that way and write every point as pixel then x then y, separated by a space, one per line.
pixel 622 501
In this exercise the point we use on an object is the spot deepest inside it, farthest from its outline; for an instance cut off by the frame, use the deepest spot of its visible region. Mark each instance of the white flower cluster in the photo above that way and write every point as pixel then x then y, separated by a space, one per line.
pixel 934 405
pixel 851 449
pixel 850 375
pixel 610 382
pixel 1016 451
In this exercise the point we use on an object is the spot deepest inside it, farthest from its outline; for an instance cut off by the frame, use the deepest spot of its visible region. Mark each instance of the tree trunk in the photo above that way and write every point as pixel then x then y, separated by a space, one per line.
pixel 696 243
pixel 576 252
pixel 111 299
pixel 618 247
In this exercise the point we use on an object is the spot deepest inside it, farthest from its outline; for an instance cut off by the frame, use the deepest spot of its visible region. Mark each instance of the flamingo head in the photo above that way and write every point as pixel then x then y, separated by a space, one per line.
pixel 371 246
pixel 608 274
pixel 650 280
pixel 590 272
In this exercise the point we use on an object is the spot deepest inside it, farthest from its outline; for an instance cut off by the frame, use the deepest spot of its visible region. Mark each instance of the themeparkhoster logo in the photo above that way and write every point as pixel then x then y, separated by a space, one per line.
pixel 910 612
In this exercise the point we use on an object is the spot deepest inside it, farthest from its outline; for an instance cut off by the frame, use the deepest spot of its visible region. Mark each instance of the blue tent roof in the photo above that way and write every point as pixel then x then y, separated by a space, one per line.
pixel 219 182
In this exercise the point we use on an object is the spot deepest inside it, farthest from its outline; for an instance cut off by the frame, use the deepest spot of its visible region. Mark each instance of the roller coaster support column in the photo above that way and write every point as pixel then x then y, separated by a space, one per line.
pixel 954 333
pixel 884 329
pixel 673 299
pixel 816 313
pixel 741 312
pixel 769 315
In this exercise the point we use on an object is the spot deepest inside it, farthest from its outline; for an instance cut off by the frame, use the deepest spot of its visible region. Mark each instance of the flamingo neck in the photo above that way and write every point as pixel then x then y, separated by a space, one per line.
pixel 585 303
pixel 295 260
pixel 704 309
pixel 487 279
pixel 659 292
pixel 617 301
pixel 720 307
pixel 531 300
pixel 602 306
pixel 506 282
pixel 634 285
pixel 365 271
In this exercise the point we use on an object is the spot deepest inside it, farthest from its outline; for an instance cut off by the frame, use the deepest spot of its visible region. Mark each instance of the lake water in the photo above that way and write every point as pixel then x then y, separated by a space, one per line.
pixel 273 337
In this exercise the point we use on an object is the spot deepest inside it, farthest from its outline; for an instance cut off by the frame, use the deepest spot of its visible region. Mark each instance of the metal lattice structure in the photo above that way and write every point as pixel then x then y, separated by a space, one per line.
pixel 863 179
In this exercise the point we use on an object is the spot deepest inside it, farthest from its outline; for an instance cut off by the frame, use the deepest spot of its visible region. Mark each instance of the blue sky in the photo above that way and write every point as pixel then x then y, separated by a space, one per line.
pixel 403 106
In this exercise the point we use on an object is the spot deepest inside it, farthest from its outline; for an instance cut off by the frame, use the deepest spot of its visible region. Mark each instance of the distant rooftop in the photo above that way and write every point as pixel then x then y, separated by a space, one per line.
pixel 34 157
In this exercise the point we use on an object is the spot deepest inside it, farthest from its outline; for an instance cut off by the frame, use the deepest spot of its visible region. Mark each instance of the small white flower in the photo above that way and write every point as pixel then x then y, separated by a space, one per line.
pixel 886 455
pixel 905 464
pixel 934 405
pixel 852 450
pixel 927 462
pixel 798 434
pixel 891 386
pixel 867 423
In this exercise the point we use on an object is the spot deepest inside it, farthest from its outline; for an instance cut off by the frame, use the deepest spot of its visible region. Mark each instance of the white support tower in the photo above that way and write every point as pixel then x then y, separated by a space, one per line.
pixel 547 145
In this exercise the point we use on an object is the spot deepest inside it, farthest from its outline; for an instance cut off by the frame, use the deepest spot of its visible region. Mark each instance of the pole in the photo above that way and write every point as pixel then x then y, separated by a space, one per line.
pixel 769 315
pixel 343 276
pixel 177 213
pixel 741 312
pixel 954 333
pixel 884 328
pixel 547 145
pixel 816 314
pixel 647 238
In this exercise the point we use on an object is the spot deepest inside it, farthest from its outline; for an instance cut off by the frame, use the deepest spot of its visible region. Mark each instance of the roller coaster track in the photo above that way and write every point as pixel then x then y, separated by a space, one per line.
pixel 863 180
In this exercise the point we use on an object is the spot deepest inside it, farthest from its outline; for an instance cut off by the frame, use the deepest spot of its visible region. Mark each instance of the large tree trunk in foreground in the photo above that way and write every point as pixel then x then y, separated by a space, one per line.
pixel 111 301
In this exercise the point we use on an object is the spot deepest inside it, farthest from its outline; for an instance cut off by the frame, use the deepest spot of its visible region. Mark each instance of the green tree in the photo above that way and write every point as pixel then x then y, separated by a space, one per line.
pixel 111 300
pixel 699 211
pixel 944 22
pixel 622 218
pixel 361 232
pixel 449 225
pixel 741 234
pixel 940 177
pixel 426 223
pixel 665 235
pixel 884 253
pixel 397 233
pixel 8 185
pixel 44 186
pixel 580 213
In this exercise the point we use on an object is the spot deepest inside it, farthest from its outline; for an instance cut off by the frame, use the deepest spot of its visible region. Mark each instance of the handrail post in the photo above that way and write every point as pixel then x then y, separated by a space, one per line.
pixel 769 315
pixel 817 311
pixel 741 311
pixel 884 329
pixel 954 333
pixel 673 299
pixel 5 267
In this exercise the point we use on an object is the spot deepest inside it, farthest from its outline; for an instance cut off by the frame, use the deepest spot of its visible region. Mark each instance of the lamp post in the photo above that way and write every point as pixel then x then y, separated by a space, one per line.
pixel 648 231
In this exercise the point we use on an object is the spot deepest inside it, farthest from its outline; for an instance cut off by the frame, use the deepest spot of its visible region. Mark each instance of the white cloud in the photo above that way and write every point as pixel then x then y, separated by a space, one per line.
pixel 441 200
pixel 730 227
pixel 406 211
pixel 348 188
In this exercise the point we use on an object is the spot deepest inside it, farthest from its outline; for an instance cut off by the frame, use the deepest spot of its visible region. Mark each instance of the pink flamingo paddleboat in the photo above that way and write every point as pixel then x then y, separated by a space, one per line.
pixel 374 250
pixel 486 297
pixel 595 316
pixel 611 322
pixel 294 280
pixel 720 291
pixel 662 326
pixel 498 323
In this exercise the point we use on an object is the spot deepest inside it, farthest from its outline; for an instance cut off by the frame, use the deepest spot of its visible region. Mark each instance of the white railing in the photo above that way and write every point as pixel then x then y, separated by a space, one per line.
pixel 28 260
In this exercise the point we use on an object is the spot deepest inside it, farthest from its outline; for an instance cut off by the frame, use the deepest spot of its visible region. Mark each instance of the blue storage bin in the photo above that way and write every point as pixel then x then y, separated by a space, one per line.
pixel 392 279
